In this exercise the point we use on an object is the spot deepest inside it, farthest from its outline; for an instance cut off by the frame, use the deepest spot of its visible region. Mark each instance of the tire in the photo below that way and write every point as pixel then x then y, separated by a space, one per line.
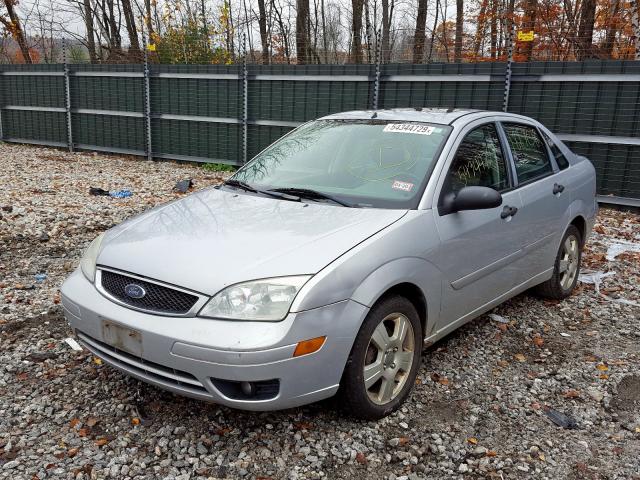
pixel 391 360
pixel 566 267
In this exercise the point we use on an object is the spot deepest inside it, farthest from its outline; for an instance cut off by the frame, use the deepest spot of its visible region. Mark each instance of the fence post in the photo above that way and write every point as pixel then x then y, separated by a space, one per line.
pixel 507 73
pixel 147 98
pixel 67 95
pixel 245 100
pixel 376 85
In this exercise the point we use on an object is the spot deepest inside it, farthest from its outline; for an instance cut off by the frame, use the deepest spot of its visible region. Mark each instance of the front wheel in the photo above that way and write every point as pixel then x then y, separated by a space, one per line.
pixel 566 267
pixel 384 360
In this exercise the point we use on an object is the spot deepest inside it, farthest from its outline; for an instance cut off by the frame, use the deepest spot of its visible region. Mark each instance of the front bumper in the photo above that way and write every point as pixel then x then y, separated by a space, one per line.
pixel 190 355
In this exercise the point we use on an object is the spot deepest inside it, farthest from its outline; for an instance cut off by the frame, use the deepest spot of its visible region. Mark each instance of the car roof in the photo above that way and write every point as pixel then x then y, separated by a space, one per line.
pixel 444 116
pixel 432 115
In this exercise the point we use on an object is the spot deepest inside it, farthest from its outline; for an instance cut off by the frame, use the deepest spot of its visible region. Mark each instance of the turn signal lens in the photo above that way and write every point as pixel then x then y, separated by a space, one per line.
pixel 309 346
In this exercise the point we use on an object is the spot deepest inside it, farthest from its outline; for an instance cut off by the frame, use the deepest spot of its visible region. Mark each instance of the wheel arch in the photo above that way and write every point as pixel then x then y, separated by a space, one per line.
pixel 581 224
pixel 413 278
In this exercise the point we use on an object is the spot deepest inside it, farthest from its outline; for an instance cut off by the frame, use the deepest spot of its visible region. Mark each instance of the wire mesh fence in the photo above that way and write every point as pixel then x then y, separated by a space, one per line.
pixel 228 113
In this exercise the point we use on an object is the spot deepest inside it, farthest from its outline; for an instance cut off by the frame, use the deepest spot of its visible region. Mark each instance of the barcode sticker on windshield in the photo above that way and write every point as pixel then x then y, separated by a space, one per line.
pixel 408 128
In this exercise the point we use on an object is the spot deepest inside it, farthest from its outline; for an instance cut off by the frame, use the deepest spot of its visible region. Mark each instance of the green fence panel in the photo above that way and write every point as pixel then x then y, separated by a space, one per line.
pixel 25 125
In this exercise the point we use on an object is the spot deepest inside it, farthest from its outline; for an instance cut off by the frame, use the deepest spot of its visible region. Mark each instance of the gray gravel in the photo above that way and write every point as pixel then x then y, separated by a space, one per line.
pixel 481 406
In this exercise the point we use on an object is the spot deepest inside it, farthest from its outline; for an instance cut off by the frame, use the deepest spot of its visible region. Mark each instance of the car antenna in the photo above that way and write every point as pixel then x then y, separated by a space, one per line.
pixel 375 115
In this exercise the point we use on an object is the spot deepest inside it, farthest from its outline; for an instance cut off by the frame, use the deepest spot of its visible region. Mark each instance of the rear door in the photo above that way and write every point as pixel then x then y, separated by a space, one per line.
pixel 478 247
pixel 545 199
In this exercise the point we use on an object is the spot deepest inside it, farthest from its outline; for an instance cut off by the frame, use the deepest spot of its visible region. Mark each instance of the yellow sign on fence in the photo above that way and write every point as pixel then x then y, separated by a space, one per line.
pixel 151 47
pixel 525 36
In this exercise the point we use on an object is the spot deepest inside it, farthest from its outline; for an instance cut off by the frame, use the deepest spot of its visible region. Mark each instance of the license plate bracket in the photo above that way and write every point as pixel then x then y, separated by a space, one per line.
pixel 122 337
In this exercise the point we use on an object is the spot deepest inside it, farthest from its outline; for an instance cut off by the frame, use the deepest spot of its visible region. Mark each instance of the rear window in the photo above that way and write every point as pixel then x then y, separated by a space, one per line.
pixel 561 160
pixel 529 152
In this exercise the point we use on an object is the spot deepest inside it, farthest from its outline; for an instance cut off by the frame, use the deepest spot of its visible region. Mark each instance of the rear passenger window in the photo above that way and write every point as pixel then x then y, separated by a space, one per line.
pixel 529 152
pixel 561 160
pixel 478 162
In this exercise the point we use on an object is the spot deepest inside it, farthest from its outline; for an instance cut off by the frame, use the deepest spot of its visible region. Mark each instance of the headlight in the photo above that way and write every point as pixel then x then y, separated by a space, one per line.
pixel 88 262
pixel 267 300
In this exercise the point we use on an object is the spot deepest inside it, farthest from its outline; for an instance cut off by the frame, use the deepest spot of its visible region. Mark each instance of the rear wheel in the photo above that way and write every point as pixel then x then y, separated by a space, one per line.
pixel 566 267
pixel 384 360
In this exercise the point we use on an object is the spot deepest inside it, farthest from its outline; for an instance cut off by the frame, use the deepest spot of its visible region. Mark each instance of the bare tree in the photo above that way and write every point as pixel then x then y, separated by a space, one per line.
pixel 457 51
pixel 302 32
pixel 584 41
pixel 13 25
pixel 433 31
pixel 419 36
pixel 528 24
pixel 132 31
pixel 387 18
pixel 88 22
pixel 612 29
pixel 264 39
pixel 356 30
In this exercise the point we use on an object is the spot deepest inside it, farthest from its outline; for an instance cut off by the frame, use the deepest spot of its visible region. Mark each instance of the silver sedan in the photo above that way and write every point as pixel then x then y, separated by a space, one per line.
pixel 325 264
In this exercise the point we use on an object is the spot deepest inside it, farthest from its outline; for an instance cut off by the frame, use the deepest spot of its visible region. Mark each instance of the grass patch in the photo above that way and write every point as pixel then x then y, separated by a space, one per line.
pixel 219 167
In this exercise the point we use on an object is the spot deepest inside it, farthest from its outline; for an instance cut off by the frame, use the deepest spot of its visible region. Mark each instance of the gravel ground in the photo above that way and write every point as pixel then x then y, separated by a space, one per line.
pixel 481 406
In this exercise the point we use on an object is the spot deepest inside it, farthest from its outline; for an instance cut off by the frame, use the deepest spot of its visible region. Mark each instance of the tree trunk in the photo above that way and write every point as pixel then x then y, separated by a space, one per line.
pixel 528 24
pixel 494 28
pixel 585 29
pixel 480 28
pixel 612 30
pixel 457 52
pixel 356 31
pixel 302 31
pixel 433 31
pixel 13 25
pixel 386 30
pixel 420 33
pixel 635 26
pixel 264 39
pixel 88 21
pixel 132 31
pixel 325 44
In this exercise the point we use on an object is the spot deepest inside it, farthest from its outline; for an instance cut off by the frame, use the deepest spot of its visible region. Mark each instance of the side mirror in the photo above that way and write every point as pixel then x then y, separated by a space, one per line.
pixel 471 198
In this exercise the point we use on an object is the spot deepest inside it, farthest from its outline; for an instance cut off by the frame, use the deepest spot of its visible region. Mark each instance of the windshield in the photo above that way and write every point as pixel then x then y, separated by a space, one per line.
pixel 366 163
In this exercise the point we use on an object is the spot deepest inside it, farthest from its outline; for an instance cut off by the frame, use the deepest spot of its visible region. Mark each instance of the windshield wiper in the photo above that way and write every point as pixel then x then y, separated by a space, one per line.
pixel 311 194
pixel 232 182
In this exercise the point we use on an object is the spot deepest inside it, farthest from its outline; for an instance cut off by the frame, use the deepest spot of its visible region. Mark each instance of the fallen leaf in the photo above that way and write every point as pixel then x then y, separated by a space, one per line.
pixel 538 341
pixel 72 452
pixel 520 357
pixel 74 422
pixel 83 432
pixel 22 376
pixel 491 453
pixel 101 441
pixel 571 394
pixel 502 363
pixel 91 421
pixel 443 381
pixel 602 367
pixel 541 457
pixel 472 440
pixel 360 458
pixel 604 376
pixel 97 361
pixel 135 421
pixel 402 441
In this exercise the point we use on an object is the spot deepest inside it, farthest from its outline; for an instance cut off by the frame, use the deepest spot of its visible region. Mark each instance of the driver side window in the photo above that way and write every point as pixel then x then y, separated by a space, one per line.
pixel 479 161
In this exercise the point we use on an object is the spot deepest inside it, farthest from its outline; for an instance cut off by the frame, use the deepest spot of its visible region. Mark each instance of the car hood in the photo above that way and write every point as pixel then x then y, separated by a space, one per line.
pixel 215 238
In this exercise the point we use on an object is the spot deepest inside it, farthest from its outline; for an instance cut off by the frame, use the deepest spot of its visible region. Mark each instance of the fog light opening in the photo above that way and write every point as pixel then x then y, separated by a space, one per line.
pixel 309 346
pixel 247 388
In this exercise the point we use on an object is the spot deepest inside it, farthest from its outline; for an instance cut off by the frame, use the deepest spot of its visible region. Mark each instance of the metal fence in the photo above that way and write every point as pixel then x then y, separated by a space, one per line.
pixel 226 114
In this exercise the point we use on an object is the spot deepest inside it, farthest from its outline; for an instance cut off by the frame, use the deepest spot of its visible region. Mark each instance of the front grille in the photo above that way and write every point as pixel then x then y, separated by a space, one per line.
pixel 158 298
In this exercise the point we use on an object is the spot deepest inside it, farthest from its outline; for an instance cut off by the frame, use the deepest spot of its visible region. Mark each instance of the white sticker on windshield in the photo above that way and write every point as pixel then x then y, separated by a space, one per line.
pixel 408 128
pixel 404 186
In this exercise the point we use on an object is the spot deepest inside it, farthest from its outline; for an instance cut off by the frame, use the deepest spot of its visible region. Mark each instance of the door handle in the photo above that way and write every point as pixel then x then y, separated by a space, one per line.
pixel 557 188
pixel 508 211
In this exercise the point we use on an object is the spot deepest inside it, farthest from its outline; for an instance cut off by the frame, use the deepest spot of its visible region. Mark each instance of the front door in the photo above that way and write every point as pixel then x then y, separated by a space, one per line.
pixel 478 247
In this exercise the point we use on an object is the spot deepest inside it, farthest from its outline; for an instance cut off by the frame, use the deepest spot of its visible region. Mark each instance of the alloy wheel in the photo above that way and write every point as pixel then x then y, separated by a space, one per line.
pixel 389 358
pixel 569 261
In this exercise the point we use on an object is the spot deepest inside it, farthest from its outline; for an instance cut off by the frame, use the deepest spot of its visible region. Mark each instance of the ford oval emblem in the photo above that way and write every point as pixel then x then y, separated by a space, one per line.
pixel 134 291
